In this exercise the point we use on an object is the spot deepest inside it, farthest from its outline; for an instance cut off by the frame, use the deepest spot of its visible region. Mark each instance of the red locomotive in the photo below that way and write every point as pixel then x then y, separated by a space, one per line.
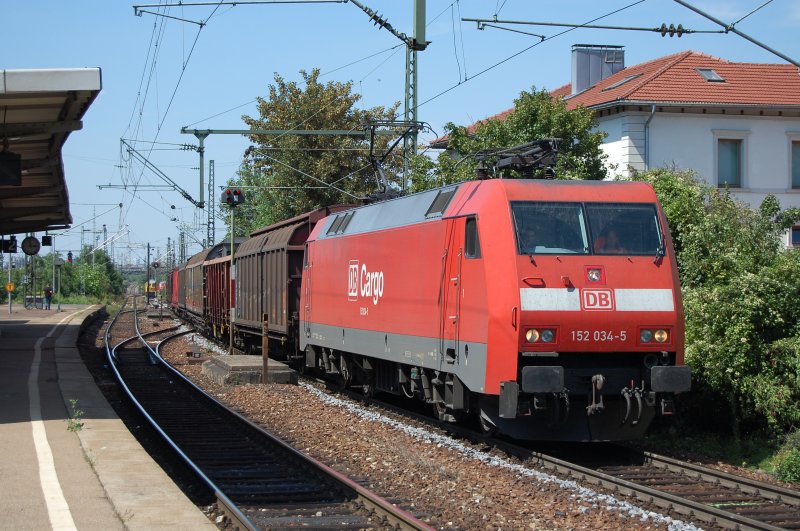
pixel 547 309
pixel 550 308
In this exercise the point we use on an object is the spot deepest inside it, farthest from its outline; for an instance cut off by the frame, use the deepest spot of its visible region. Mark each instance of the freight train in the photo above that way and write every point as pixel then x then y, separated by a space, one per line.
pixel 543 309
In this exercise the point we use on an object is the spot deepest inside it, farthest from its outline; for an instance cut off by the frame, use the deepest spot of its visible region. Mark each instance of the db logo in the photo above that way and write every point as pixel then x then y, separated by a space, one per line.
pixel 597 299
pixel 352 281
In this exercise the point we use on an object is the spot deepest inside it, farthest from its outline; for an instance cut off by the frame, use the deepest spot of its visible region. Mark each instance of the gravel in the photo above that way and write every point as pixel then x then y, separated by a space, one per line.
pixel 446 482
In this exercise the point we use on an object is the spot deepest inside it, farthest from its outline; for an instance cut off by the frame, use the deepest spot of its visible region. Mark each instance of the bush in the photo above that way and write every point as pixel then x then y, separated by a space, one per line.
pixel 741 300
pixel 787 463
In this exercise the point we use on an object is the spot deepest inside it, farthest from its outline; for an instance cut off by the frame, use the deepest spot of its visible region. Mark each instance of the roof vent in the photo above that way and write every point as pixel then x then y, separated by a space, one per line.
pixel 710 75
pixel 621 82
pixel 593 62
pixel 440 202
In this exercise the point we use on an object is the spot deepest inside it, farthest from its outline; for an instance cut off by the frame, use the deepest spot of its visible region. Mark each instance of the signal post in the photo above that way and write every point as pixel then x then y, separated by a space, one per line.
pixel 232 197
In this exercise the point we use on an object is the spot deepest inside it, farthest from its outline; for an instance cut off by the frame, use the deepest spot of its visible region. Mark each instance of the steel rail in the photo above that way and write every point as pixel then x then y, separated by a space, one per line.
pixel 745 484
pixel 692 509
pixel 662 499
pixel 394 516
pixel 112 359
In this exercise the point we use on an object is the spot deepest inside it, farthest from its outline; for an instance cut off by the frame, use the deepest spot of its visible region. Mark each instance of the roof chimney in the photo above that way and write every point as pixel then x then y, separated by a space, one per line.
pixel 594 62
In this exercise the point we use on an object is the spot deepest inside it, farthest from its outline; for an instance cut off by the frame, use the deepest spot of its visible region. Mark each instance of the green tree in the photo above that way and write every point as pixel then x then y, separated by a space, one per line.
pixel 286 175
pixel 536 115
pixel 741 299
pixel 96 274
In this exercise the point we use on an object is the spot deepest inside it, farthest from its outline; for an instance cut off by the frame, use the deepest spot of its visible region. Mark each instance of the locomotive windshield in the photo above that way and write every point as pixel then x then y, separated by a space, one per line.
pixel 584 228
pixel 550 228
pixel 624 228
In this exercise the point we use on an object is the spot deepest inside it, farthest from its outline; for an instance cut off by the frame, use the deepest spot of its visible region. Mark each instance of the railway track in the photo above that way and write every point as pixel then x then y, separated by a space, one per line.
pixel 696 492
pixel 260 482
pixel 685 490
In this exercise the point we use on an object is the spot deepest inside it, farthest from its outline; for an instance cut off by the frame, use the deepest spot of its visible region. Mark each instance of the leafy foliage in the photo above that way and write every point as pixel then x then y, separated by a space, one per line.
pixel 741 300
pixel 536 115
pixel 787 461
pixel 93 275
pixel 285 175
pixel 788 465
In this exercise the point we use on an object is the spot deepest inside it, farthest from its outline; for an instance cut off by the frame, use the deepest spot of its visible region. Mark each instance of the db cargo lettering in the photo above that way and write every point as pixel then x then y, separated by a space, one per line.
pixel 367 284
pixel 371 284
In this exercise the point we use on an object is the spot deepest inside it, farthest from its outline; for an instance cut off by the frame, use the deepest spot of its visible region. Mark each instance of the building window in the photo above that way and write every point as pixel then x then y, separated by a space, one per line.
pixel 729 162
pixel 796 164
pixel 794 237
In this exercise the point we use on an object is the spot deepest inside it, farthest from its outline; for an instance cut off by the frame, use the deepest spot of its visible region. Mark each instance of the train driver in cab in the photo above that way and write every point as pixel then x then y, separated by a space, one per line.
pixel 529 236
pixel 608 243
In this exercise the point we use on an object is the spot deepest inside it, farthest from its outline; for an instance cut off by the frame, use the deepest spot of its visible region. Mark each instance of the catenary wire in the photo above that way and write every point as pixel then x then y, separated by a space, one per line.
pixel 174 92
pixel 321 75
pixel 310 176
pixel 455 45
pixel 517 54
pixel 461 36
pixel 751 12
pixel 498 9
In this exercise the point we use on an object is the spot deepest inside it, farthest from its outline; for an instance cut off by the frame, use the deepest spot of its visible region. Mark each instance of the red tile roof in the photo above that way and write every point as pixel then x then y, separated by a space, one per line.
pixel 674 79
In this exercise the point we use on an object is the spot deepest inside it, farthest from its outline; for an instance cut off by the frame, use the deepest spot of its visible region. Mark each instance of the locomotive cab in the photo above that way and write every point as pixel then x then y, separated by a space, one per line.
pixel 600 335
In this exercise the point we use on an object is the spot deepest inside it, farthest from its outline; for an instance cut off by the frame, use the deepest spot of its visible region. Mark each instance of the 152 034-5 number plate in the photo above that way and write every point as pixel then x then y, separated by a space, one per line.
pixel 599 335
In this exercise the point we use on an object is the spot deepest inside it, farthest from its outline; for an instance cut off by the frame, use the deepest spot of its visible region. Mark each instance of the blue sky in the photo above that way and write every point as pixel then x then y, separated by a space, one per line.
pixel 238 51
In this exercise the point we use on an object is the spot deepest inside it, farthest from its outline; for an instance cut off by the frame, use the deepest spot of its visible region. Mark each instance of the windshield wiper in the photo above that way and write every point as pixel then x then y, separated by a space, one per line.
pixel 660 252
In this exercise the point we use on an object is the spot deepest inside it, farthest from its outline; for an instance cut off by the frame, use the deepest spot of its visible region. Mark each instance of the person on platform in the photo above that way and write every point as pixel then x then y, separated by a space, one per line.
pixel 48 296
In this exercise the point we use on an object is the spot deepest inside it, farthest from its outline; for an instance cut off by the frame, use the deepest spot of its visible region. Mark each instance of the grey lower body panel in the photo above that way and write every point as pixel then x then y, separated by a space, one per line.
pixel 468 360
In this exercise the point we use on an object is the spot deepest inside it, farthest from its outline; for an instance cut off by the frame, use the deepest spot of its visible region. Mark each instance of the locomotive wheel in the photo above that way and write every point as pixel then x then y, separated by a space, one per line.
pixel 345 377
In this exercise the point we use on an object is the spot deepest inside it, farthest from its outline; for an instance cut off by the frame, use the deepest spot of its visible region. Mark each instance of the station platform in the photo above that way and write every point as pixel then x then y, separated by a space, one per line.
pixel 97 477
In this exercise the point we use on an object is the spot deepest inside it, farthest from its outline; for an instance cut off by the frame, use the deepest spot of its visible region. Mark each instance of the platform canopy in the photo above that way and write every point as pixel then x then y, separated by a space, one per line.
pixel 38 110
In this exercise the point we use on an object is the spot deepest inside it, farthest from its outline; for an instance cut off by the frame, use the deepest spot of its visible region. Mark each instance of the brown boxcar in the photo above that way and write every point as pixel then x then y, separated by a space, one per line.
pixel 268 270
pixel 218 295
pixel 175 296
pixel 193 280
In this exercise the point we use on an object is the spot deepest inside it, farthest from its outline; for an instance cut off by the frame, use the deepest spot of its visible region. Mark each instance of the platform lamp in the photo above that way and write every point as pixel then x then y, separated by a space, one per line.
pixel 232 197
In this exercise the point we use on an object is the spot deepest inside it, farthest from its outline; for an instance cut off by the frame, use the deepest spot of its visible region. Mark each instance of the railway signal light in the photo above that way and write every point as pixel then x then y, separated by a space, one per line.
pixel 232 196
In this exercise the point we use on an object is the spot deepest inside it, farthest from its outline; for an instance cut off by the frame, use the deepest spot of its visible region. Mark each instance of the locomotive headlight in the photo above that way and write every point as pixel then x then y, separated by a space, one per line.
pixel 646 336
pixel 661 336
pixel 593 275
pixel 532 335
pixel 548 335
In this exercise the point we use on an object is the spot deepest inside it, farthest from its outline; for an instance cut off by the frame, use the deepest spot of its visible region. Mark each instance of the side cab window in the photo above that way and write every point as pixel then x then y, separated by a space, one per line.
pixel 472 243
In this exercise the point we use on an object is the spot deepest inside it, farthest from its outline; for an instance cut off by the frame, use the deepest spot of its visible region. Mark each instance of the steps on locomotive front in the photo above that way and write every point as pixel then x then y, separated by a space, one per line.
pixel 242 369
